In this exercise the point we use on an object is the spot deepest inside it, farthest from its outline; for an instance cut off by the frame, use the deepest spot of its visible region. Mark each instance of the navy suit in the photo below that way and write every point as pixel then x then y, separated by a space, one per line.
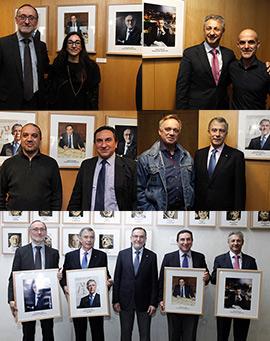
pixel 77 141
pixel 132 150
pixel 85 302
pixel 240 326
pixel 135 37
pixel 7 149
pixel 188 291
pixel 256 144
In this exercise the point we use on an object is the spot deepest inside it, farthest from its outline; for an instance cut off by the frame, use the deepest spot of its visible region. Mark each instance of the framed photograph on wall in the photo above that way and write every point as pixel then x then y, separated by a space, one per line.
pixel 71 138
pixel 29 284
pixel 138 217
pixel 80 19
pixel 107 217
pixel 88 292
pixel 233 219
pixel 163 28
pixel 149 240
pixel 70 239
pixel 13 238
pixel 202 218
pixel 125 29
pixel 78 217
pixel 171 218
pixel 260 219
pixel 183 290
pixel 15 217
pixel 48 217
pixel 238 293
pixel 108 240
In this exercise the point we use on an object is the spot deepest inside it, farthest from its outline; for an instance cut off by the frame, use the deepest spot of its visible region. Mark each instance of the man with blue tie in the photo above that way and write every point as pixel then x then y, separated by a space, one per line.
pixel 83 258
pixel 182 326
pixel 183 290
pixel 136 286
pixel 93 299
pixel 14 147
pixel 263 141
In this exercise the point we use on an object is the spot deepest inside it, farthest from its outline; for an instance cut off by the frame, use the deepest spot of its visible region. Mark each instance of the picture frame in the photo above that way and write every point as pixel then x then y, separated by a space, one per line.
pixel 202 218
pixel 171 41
pixel 70 239
pixel 86 15
pixel 78 217
pixel 15 217
pixel 149 240
pixel 12 238
pixel 173 300
pixel 234 219
pixel 260 220
pixel 48 217
pixel 44 282
pixel 83 127
pixel 107 217
pixel 108 240
pixel 78 298
pixel 7 120
pixel 238 293
pixel 171 218
pixel 249 134
pixel 138 217
pixel 121 19
pixel 51 238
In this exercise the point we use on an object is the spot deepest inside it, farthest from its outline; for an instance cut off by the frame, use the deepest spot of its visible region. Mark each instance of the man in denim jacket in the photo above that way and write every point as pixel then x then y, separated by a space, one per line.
pixel 165 179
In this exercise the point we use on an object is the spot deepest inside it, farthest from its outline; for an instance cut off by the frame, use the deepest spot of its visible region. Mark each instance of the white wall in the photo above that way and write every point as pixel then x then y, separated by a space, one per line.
pixel 209 240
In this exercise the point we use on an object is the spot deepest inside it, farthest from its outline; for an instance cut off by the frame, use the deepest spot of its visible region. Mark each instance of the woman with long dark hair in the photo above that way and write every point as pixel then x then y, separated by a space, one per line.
pixel 73 79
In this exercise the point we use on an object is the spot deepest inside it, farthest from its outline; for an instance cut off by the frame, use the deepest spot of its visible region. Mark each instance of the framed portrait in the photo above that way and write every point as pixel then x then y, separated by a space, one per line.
pixel 51 238
pixel 253 134
pixel 125 29
pixel 183 290
pixel 138 217
pixel 171 218
pixel 260 219
pixel 71 139
pixel 108 240
pixel 7 120
pixel 149 240
pixel 80 19
pixel 70 239
pixel 202 218
pixel 107 217
pixel 48 217
pixel 78 217
pixel 163 28
pixel 88 292
pixel 233 219
pixel 42 29
pixel 238 293
pixel 13 238
pixel 15 217
pixel 37 294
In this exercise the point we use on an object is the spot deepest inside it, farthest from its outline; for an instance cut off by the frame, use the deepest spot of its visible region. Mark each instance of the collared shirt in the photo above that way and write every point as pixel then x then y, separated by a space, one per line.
pixel 42 252
pixel 218 153
pixel 250 86
pixel 129 31
pixel 71 141
pixel 110 203
pixel 266 137
pixel 33 59
pixel 134 255
pixel 127 145
pixel 240 258
pixel 208 50
pixel 88 255
pixel 189 258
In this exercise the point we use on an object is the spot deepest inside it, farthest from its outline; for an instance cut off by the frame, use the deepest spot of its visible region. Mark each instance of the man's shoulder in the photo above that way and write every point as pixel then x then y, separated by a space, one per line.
pixel 194 48
pixel 100 253
pixel 72 254
pixel 47 158
pixel 221 256
pixel 8 38
pixel 232 151
pixel 172 254
pixel 126 161
pixel 149 252
pixel 197 254
pixel 151 152
pixel 89 162
pixel 202 151
pixel 51 250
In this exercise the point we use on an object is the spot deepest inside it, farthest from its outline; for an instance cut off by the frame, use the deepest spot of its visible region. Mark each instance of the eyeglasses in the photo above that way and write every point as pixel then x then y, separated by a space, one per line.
pixel 23 17
pixel 38 230
pixel 175 130
pixel 71 43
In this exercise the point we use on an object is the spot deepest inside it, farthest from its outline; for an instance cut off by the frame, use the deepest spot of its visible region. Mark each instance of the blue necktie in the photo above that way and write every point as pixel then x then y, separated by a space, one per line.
pixel 185 261
pixel 91 300
pixel 137 262
pixel 15 147
pixel 263 142
pixel 212 163
pixel 69 141
pixel 99 202
pixel 84 261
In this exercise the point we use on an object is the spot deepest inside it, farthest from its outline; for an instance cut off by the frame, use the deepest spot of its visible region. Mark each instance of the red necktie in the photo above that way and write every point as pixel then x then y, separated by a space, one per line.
pixel 236 264
pixel 215 65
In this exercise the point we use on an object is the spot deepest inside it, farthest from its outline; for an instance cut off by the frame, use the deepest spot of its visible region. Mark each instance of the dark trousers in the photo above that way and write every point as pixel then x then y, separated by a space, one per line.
pixel 96 325
pixel 182 327
pixel 29 329
pixel 127 322
pixel 240 328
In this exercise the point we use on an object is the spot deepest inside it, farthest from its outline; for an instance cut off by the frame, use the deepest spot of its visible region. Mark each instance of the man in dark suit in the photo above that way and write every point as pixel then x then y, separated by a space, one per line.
pixel 234 259
pixel 203 74
pixel 127 148
pixel 131 34
pixel 261 142
pixel 183 290
pixel 21 86
pixel 93 299
pixel 14 147
pixel 83 258
pixel 38 298
pixel 69 139
pixel 136 286
pixel 182 326
pixel 73 25
pixel 107 182
pixel 159 34
pixel 219 172
pixel 34 256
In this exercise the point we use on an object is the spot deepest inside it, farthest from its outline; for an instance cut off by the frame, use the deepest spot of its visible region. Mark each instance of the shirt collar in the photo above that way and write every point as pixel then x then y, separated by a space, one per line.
pixel 219 149
pixel 233 254
pixel 266 136
pixel 20 37
pixel 82 251
pixel 252 65
pixel 187 253
pixel 110 160
pixel 34 245
pixel 141 250
pixel 208 48
pixel 164 149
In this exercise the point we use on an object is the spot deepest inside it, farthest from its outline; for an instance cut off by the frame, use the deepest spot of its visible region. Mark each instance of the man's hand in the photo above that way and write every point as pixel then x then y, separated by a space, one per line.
pixel 116 307
pixel 66 147
pixel 66 291
pixel 206 276
pixel 151 310
pixel 109 283
pixel 161 306
pixel 13 308
pixel 83 149
pixel 59 274
pixel 268 67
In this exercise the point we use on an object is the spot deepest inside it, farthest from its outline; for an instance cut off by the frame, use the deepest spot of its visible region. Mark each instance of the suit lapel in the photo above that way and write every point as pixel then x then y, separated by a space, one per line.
pixel 144 259
pixel 204 163
pixel 16 53
pixel 224 157
pixel 204 60
pixel 266 145
pixel 224 54
pixel 89 181
pixel 228 261
pixel 93 259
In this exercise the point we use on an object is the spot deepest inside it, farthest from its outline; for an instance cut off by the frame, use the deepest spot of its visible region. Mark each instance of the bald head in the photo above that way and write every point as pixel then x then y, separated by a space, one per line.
pixel 248 43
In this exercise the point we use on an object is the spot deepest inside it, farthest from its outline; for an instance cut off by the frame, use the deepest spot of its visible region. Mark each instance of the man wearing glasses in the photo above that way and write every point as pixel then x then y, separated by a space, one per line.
pixel 34 256
pixel 23 62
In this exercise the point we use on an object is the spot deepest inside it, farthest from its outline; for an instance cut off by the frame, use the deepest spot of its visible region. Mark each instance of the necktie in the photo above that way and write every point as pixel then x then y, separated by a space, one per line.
pixel 99 202
pixel 136 262
pixel 212 163
pixel 84 260
pixel 185 261
pixel 129 34
pixel 38 258
pixel 28 73
pixel 15 147
pixel 91 300
pixel 181 292
pixel 69 141
pixel 236 264
pixel 263 142
pixel 215 65
pixel 159 34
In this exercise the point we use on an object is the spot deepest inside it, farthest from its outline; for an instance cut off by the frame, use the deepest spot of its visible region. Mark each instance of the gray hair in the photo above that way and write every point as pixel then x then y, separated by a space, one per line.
pixel 91 280
pixel 37 221
pixel 219 120
pixel 264 120
pixel 14 126
pixel 237 233
pixel 215 17
pixel 88 229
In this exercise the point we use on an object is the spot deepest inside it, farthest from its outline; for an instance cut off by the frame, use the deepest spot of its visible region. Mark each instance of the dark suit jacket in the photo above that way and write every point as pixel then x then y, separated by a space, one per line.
pixel 11 76
pixel 24 260
pixel 224 261
pixel 196 87
pixel 188 291
pixel 132 150
pixel 167 38
pixel 69 25
pixel 85 302
pixel 227 188
pixel 44 301
pixel 77 141
pixel 141 289
pixel 125 185
pixel 172 259
pixel 135 37
pixel 7 149
pixel 256 143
